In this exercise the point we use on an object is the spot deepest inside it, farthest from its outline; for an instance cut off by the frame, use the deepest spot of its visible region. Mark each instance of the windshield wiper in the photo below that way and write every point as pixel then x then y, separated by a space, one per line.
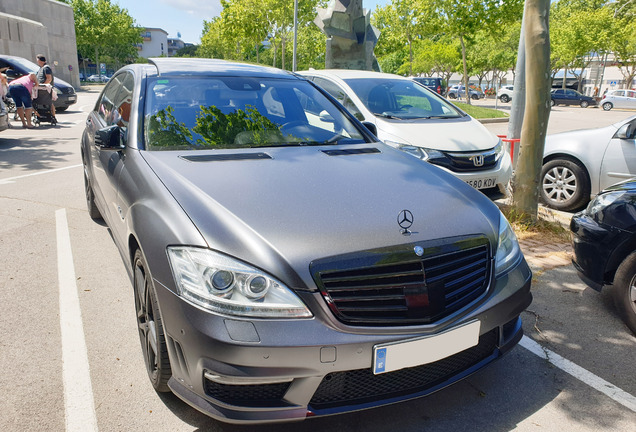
pixel 389 116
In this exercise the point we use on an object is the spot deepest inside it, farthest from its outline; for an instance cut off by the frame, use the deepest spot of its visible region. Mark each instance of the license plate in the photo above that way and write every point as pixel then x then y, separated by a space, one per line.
pixel 483 183
pixel 71 98
pixel 415 352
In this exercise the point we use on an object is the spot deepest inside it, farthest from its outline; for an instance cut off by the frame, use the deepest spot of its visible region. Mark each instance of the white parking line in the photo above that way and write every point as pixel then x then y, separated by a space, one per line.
pixel 78 392
pixel 597 383
pixel 13 179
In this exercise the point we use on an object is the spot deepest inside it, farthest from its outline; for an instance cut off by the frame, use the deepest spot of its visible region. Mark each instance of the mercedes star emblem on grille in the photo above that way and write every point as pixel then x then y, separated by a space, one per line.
pixel 405 221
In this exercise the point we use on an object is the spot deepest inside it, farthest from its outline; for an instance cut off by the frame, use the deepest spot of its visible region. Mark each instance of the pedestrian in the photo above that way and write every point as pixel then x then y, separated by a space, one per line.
pixel 20 90
pixel 45 76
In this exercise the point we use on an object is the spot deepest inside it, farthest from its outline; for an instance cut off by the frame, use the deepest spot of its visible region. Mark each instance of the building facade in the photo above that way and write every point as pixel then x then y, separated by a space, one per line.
pixel 155 43
pixel 32 27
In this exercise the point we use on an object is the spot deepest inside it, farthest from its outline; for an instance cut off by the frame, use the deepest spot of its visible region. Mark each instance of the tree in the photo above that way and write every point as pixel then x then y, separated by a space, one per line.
pixel 535 121
pixel 464 18
pixel 103 28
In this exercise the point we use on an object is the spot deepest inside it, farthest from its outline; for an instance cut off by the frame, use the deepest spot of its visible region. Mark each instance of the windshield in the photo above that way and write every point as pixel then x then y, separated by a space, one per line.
pixel 400 99
pixel 241 112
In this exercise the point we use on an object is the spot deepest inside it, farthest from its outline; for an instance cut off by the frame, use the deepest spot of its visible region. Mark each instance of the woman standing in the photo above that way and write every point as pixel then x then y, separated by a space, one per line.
pixel 20 90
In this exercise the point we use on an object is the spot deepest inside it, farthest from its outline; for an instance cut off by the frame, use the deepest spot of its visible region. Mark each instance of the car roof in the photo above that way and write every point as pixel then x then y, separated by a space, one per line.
pixel 167 66
pixel 351 73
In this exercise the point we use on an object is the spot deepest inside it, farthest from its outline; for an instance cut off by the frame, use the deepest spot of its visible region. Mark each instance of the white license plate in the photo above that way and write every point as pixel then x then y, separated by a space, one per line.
pixel 415 352
pixel 71 98
pixel 483 183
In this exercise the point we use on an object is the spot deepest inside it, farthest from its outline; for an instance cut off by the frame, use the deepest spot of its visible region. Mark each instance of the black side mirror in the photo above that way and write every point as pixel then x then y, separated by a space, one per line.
pixel 109 138
pixel 10 73
pixel 371 128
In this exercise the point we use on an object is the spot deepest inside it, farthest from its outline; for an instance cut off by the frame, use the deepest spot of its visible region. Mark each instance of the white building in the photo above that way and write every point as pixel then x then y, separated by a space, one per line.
pixel 155 43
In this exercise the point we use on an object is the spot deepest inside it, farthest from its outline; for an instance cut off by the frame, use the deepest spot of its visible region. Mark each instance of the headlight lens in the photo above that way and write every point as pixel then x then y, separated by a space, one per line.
pixel 418 152
pixel 508 249
pixel 499 150
pixel 602 201
pixel 225 285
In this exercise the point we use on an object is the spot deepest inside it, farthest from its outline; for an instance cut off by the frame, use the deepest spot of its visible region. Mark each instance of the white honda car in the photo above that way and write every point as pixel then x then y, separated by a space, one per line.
pixel 411 118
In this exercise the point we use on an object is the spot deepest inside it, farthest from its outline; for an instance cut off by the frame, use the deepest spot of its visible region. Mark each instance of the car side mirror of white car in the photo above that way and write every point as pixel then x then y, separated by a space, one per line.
pixel 625 132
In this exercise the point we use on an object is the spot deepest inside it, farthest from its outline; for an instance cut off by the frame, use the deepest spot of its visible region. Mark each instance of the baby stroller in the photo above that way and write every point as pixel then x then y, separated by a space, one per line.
pixel 42 106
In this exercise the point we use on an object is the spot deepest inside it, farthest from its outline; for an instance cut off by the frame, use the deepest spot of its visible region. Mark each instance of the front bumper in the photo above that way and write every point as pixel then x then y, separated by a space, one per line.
pixel 256 371
pixel 497 177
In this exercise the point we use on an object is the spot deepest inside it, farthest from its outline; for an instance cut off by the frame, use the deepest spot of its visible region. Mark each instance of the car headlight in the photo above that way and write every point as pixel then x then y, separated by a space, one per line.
pixel 603 200
pixel 225 285
pixel 418 152
pixel 508 250
pixel 499 150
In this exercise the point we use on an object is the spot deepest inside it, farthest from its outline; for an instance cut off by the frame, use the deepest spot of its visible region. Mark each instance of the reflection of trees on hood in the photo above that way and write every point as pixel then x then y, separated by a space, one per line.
pixel 216 129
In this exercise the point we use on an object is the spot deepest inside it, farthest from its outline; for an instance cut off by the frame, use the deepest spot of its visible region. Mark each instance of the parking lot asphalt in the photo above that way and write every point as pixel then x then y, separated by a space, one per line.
pixel 579 379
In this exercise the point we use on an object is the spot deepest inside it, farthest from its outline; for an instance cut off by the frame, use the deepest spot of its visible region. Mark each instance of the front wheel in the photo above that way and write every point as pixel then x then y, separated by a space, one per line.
pixel 565 185
pixel 149 323
pixel 452 96
pixel 474 97
pixel 607 106
pixel 584 104
pixel 552 102
pixel 504 98
pixel 624 291
pixel 93 211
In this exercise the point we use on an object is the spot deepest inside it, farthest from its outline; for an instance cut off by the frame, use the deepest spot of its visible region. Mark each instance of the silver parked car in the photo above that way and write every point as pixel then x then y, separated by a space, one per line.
pixel 581 163
pixel 619 99
pixel 285 263
pixel 410 118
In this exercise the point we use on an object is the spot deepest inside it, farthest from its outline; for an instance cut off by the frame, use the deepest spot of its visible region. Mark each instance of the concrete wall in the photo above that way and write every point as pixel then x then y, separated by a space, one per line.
pixel 31 27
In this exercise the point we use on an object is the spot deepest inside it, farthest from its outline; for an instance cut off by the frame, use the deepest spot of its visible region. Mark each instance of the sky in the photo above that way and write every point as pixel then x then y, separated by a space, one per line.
pixel 186 17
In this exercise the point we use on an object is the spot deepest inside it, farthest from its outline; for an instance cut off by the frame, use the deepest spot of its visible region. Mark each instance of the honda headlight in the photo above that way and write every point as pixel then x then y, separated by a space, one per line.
pixel 418 152
pixel 499 150
pixel 508 251
pixel 225 285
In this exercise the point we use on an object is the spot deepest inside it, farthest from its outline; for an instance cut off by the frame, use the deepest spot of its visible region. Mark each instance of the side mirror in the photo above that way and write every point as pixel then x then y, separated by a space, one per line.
pixel 625 132
pixel 109 138
pixel 10 73
pixel 371 128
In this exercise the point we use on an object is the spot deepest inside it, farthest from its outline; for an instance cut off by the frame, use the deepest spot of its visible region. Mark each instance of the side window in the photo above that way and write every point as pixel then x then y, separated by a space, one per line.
pixel 340 96
pixel 620 93
pixel 631 94
pixel 123 101
pixel 105 107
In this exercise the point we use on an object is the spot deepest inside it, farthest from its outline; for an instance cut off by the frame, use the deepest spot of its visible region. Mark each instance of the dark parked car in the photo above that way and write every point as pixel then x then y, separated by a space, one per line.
pixel 432 83
pixel 605 246
pixel 284 264
pixel 570 97
pixel 19 66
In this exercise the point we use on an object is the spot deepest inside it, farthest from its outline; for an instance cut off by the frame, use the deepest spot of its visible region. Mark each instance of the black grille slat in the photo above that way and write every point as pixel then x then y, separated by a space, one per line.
pixel 401 291
pixel 362 386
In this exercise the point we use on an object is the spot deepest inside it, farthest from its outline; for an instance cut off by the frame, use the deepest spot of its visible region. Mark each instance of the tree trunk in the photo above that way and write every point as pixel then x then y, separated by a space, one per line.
pixel 461 41
pixel 535 121
pixel 519 93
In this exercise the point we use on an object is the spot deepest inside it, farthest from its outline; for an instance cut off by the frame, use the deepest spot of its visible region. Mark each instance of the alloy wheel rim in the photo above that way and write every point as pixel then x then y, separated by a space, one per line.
pixel 632 293
pixel 145 320
pixel 559 184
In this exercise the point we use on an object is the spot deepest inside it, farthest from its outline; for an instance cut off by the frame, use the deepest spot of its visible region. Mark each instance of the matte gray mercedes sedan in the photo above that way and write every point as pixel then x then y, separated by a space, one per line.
pixel 285 263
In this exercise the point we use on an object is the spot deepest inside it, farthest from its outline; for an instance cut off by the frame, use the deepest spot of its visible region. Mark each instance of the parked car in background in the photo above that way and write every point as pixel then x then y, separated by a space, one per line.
pixel 459 92
pixel 579 164
pixel 421 123
pixel 604 240
pixel 97 78
pixel 505 93
pixel 438 85
pixel 292 265
pixel 570 97
pixel 19 66
pixel 619 99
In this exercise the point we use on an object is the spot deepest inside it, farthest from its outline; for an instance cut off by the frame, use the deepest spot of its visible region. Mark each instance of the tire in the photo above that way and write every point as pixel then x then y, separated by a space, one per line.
pixel 584 104
pixel 552 102
pixel 149 324
pixel 93 211
pixel 607 106
pixel 504 98
pixel 474 97
pixel 452 96
pixel 624 291
pixel 60 109
pixel 565 185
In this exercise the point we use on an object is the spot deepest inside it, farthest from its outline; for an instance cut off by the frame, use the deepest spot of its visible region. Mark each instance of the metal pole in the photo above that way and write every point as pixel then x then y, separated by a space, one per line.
pixel 295 34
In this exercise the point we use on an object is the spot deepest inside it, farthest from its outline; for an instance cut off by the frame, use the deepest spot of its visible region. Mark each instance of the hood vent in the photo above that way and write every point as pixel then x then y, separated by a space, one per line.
pixel 349 152
pixel 226 157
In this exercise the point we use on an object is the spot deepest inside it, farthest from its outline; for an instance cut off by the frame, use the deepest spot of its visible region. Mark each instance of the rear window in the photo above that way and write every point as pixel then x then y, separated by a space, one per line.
pixel 241 112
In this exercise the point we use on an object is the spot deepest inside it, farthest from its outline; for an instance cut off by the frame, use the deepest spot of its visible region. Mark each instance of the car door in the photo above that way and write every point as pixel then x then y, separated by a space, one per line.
pixel 619 99
pixel 558 96
pixel 619 160
pixel 571 97
pixel 106 163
